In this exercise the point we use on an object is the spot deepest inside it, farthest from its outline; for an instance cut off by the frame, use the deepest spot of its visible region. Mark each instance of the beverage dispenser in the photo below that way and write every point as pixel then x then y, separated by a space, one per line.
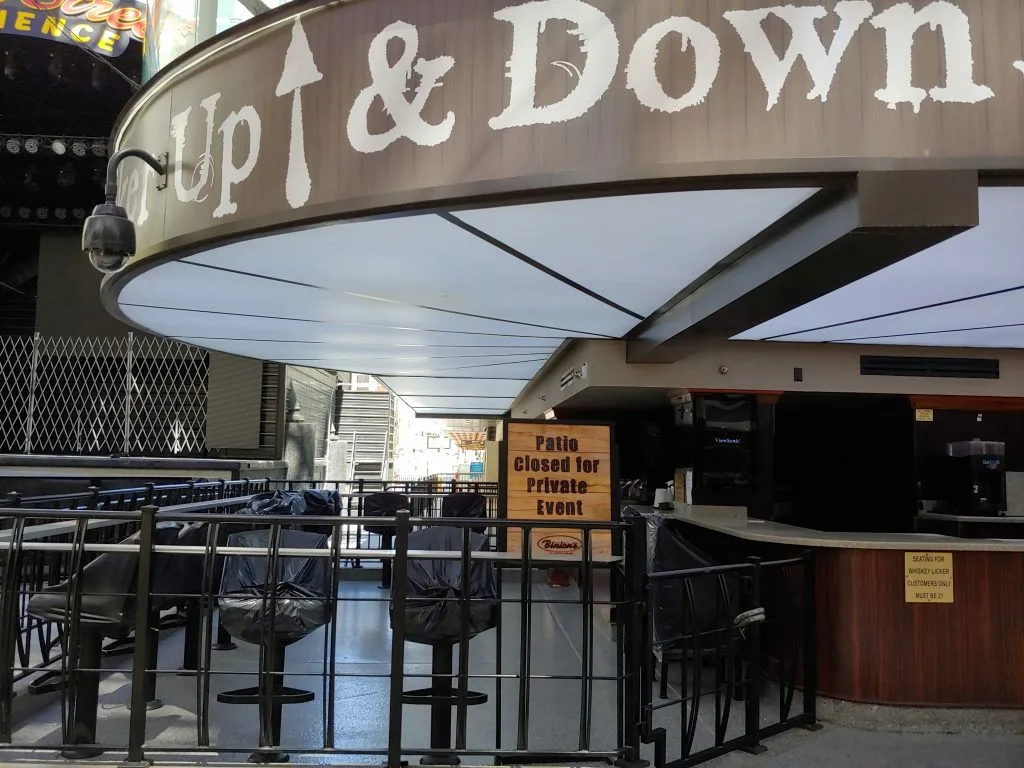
pixel 977 477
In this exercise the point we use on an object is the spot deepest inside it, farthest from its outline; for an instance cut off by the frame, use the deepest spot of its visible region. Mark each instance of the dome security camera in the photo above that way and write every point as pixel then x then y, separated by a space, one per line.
pixel 108 238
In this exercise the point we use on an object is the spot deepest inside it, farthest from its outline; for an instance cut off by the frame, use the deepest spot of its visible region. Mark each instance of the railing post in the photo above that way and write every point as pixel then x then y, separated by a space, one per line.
pixel 810 643
pixel 128 362
pixel 141 660
pixel 636 639
pixel 9 624
pixel 222 489
pixel 399 586
pixel 752 695
pixel 150 493
pixel 33 381
pixel 94 501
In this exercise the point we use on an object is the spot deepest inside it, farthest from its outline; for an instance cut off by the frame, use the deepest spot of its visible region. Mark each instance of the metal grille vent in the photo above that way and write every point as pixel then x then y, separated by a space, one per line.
pixel 930 367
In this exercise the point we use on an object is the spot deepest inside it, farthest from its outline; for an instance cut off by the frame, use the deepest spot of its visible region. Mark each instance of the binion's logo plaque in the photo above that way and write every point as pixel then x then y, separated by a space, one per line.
pixel 558 472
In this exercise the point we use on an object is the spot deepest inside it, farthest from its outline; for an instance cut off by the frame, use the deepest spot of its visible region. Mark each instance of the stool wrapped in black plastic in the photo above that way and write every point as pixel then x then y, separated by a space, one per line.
pixel 275 503
pixel 107 589
pixel 106 608
pixel 433 612
pixel 436 614
pixel 273 609
pixel 465 505
pixel 302 588
pixel 320 504
pixel 384 504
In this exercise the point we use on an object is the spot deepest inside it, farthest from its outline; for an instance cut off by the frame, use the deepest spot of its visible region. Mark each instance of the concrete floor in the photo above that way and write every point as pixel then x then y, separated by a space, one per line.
pixel 361 702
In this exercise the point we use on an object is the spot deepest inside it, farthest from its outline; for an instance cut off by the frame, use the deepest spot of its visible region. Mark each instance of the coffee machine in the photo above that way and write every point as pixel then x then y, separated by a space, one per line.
pixel 976 480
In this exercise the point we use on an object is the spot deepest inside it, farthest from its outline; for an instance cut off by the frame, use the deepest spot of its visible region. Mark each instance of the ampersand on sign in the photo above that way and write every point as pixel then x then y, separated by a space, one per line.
pixel 391 82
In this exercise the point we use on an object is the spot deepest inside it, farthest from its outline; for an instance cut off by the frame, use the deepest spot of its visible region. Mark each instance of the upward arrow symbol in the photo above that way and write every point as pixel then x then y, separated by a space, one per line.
pixel 299 71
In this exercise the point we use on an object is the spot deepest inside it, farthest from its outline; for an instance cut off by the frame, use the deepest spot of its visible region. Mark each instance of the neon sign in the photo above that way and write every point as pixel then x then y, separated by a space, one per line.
pixel 103 26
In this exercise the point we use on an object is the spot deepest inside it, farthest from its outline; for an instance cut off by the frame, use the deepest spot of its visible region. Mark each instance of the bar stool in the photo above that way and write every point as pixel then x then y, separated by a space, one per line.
pixel 436 614
pixel 272 601
pixel 472 505
pixel 105 609
pixel 384 504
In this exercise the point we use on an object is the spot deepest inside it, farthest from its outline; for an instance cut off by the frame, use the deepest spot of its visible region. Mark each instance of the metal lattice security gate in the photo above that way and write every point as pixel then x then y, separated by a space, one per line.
pixel 102 395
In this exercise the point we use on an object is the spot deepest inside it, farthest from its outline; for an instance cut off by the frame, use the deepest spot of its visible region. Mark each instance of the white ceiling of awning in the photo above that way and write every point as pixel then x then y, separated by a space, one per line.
pixel 967 291
pixel 454 313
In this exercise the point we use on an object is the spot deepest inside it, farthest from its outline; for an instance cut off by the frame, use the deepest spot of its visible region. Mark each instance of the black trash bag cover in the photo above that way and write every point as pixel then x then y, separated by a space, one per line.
pixel 320 504
pixel 465 505
pixel 383 505
pixel 275 503
pixel 712 600
pixel 108 588
pixel 433 615
pixel 301 598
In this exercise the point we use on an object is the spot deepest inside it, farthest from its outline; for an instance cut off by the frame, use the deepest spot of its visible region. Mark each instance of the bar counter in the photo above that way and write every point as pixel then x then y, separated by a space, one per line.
pixel 874 647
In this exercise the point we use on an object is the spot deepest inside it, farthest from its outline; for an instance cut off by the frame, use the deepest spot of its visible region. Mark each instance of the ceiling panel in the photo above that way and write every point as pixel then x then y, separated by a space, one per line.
pixel 637 250
pixel 203 327
pixel 982 260
pixel 421 403
pixel 421 261
pixel 1001 309
pixel 439 412
pixel 466 387
pixel 1004 337
pixel 191 287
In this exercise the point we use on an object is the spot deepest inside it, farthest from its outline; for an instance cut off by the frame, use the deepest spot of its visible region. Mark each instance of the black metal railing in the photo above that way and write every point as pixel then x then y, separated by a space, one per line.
pixel 504 663
pixel 425 500
pixel 730 656
pixel 39 643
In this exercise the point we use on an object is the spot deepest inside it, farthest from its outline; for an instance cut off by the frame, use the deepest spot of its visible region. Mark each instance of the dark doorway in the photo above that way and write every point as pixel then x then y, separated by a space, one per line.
pixel 845 462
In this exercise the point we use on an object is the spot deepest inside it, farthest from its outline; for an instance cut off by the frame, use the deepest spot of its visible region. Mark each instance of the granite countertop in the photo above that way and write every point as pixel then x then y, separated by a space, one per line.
pixel 752 529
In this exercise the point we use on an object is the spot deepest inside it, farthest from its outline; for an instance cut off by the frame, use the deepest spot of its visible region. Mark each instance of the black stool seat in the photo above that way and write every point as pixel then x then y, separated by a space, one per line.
pixel 384 504
pixel 472 505
pixel 272 601
pixel 436 614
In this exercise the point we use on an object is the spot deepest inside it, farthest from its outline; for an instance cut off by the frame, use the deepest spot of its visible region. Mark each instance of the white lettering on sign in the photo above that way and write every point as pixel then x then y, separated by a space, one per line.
pixel 135 194
pixel 597 39
pixel 593 35
pixel 299 71
pixel 640 72
pixel 390 82
pixel 231 174
pixel 805 43
pixel 179 124
pixel 901 23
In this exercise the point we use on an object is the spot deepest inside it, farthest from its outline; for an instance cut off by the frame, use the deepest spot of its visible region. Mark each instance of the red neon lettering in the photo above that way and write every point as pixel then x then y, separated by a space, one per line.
pixel 100 11
pixel 123 19
pixel 42 5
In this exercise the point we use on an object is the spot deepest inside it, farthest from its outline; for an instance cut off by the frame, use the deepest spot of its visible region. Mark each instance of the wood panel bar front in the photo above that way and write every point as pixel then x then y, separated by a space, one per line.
pixel 874 647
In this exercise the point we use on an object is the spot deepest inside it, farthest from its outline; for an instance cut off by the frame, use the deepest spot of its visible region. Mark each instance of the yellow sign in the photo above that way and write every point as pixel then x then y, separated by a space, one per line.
pixel 928 577
pixel 924 414
pixel 558 472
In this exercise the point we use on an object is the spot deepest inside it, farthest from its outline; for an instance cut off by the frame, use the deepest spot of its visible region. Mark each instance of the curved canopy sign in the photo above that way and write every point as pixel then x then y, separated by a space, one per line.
pixel 328 111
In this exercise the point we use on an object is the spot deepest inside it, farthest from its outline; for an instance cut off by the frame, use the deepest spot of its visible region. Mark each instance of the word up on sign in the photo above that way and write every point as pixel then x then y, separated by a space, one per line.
pixel 547 475
pixel 405 85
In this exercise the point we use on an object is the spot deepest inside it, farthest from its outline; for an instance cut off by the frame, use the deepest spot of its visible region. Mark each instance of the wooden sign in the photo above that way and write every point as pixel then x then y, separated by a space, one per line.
pixel 558 472
pixel 928 577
